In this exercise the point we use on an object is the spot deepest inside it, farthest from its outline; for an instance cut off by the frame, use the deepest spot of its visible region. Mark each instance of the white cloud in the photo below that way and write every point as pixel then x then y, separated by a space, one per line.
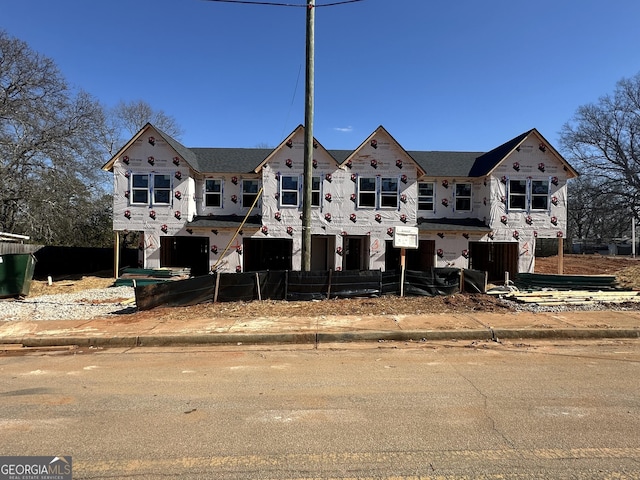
pixel 344 129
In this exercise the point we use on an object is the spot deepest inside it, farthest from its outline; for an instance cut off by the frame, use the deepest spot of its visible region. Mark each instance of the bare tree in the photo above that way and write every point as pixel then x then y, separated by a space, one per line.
pixel 603 141
pixel 135 114
pixel 593 212
pixel 50 153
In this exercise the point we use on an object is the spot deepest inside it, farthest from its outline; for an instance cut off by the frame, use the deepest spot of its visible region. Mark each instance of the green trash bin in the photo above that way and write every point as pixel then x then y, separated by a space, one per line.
pixel 16 274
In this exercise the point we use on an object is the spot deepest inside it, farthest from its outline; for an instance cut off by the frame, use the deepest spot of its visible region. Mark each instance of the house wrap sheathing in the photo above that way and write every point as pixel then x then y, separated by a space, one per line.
pixel 193 206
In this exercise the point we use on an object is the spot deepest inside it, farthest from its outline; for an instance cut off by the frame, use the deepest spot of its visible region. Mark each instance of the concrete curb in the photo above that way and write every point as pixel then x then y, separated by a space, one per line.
pixel 319 337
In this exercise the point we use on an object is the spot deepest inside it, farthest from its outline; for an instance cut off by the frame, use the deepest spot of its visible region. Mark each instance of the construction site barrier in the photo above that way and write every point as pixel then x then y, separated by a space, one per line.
pixel 316 285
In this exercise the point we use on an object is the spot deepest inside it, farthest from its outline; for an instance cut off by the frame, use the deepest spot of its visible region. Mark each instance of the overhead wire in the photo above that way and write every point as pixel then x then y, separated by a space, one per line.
pixel 282 4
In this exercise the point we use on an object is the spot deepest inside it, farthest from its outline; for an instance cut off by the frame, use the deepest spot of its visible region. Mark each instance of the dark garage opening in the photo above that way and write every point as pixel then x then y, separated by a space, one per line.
pixel 267 254
pixel 185 252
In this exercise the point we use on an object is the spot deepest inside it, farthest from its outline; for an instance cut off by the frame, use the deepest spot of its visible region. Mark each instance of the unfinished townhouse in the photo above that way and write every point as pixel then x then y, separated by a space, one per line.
pixel 240 209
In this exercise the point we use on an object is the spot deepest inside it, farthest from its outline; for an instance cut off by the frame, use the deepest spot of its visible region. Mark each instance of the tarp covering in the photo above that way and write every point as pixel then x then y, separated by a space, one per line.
pixel 191 291
pixel 537 281
pixel 436 281
pixel 236 287
pixel 474 281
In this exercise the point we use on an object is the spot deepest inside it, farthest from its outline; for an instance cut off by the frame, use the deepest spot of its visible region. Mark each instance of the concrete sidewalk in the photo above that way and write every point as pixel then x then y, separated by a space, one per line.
pixel 121 331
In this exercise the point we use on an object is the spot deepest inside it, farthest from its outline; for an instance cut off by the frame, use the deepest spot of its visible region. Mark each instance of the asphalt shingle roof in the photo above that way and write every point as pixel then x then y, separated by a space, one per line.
pixel 434 163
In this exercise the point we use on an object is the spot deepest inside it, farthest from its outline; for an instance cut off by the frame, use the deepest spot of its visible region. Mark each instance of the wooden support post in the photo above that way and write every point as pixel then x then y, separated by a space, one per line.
pixel 560 256
pixel 215 292
pixel 402 265
pixel 258 285
pixel 116 255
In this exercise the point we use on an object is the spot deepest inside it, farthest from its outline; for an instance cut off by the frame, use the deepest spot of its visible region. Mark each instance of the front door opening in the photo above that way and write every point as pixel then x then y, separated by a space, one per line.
pixel 355 253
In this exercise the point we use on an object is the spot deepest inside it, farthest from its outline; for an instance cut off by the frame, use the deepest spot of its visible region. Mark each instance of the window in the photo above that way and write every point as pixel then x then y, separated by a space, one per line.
pixel 249 192
pixel 140 188
pixel 517 194
pixel 212 193
pixel 529 194
pixel 289 188
pixel 425 196
pixel 315 191
pixel 463 197
pixel 539 194
pixel 367 192
pixel 161 189
pixel 389 192
pixel 152 188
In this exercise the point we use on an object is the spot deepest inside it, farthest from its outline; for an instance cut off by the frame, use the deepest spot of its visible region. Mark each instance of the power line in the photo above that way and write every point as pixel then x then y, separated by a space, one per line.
pixel 281 4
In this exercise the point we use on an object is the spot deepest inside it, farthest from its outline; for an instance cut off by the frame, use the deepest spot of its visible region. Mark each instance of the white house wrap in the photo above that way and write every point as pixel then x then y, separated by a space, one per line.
pixel 473 210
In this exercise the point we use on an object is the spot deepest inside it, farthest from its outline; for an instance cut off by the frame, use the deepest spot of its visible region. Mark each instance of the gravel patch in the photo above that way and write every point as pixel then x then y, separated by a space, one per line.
pixel 86 304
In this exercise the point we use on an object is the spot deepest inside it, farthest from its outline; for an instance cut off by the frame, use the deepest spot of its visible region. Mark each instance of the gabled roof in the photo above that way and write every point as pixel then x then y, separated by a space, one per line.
pixel 485 164
pixel 180 149
pixel 438 164
pixel 298 129
pixel 368 140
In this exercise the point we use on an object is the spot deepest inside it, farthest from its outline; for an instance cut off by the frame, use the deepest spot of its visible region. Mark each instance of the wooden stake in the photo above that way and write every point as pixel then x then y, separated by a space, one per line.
pixel 402 265
pixel 116 255
pixel 560 256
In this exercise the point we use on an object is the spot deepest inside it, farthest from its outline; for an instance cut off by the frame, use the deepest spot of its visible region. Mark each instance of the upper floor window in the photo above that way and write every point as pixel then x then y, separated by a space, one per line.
pixel 249 192
pixel 316 186
pixel 213 192
pixel 140 188
pixel 289 189
pixel 389 192
pixel 528 194
pixel 539 194
pixel 154 188
pixel 367 192
pixel 378 192
pixel 426 196
pixel 517 194
pixel 463 197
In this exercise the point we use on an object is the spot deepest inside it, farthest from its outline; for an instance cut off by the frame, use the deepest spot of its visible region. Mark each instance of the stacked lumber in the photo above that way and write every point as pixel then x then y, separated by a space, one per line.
pixel 146 276
pixel 576 297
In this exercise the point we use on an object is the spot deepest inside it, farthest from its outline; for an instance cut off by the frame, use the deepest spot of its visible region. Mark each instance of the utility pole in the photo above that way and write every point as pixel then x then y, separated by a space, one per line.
pixel 308 139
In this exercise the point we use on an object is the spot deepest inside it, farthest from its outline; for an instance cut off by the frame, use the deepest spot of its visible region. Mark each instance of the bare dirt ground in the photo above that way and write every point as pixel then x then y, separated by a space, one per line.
pixel 626 270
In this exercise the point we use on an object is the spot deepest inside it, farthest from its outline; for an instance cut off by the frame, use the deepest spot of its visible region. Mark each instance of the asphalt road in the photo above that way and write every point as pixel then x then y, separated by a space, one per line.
pixel 385 411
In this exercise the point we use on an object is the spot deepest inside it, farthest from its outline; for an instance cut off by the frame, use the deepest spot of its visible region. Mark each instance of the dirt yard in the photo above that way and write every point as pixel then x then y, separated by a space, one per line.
pixel 626 270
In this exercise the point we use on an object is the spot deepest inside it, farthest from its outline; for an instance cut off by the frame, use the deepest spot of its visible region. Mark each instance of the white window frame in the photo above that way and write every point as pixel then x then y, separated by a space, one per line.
pixel 361 192
pixel 290 191
pixel 213 193
pixel 457 196
pixel 529 195
pixel 511 195
pixel 133 189
pixel 155 189
pixel 249 197
pixel 316 193
pixel 152 189
pixel 545 195
pixel 424 199
pixel 389 195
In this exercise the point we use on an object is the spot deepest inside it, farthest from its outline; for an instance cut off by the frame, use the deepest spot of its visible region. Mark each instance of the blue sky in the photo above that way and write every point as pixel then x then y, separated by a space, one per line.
pixel 438 75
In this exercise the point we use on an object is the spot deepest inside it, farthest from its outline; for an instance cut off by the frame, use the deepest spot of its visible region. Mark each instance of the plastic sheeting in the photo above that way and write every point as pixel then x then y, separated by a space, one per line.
pixel 191 291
